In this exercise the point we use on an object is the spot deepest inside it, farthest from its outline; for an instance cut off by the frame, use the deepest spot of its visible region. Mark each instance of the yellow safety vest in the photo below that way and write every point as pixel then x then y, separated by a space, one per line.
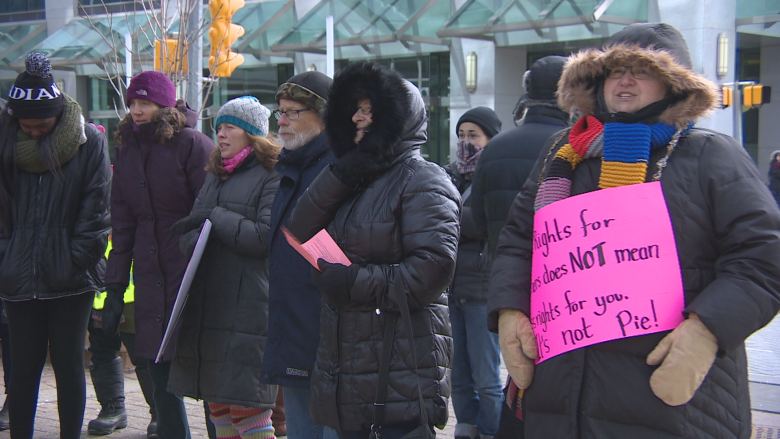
pixel 100 298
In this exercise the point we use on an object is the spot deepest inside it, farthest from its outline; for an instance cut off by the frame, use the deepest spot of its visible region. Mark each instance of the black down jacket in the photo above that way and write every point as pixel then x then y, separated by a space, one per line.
pixel 727 230
pixel 402 228
pixel 504 166
pixel 225 322
pixel 472 271
pixel 60 227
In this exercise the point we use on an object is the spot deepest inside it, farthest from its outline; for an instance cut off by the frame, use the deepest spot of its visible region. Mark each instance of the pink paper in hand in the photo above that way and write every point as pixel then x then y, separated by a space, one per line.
pixel 604 267
pixel 320 246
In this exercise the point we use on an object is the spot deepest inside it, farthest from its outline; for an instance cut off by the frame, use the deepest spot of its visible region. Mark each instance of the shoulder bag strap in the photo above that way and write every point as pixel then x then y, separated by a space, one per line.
pixel 402 303
pixel 384 372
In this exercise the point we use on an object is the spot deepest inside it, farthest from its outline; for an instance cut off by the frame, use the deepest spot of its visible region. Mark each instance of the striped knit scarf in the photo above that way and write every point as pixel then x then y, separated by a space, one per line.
pixel 624 149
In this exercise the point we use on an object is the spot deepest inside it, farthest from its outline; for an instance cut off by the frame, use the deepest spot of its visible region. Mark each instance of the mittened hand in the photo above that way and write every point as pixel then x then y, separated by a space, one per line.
pixel 686 356
pixel 335 281
pixel 358 168
pixel 112 308
pixel 192 221
pixel 518 345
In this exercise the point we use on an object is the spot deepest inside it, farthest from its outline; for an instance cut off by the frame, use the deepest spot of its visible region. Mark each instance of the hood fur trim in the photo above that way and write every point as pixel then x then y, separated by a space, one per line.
pixel 389 109
pixel 584 73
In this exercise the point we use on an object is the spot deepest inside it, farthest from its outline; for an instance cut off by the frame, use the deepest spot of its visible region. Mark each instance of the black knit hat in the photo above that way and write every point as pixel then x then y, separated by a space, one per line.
pixel 484 117
pixel 34 94
pixel 541 80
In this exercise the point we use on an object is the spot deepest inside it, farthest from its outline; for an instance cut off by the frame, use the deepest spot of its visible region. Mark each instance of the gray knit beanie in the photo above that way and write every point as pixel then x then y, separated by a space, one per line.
pixel 245 112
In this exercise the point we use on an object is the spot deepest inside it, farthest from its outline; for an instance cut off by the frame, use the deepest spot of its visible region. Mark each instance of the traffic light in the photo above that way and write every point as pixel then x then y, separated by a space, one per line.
pixel 726 96
pixel 175 57
pixel 222 35
pixel 756 95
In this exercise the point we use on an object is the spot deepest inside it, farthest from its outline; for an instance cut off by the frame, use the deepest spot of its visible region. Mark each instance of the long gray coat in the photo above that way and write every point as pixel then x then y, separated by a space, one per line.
pixel 225 323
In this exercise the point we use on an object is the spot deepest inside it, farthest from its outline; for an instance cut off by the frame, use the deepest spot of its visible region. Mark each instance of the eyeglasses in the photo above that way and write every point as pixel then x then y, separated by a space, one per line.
pixel 291 114
pixel 364 110
pixel 638 72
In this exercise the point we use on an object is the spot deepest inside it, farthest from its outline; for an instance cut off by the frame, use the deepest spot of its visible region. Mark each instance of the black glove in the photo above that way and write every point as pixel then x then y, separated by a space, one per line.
pixel 335 281
pixel 187 243
pixel 113 307
pixel 192 221
pixel 358 168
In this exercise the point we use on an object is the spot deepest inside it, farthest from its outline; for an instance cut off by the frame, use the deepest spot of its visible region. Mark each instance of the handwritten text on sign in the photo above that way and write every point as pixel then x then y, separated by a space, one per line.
pixel 605 267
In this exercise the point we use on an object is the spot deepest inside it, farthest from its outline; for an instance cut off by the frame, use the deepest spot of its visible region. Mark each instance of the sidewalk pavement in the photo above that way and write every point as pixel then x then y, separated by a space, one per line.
pixel 764 367
pixel 47 419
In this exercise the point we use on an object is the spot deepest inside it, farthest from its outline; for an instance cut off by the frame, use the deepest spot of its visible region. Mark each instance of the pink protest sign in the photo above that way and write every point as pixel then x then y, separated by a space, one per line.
pixel 605 267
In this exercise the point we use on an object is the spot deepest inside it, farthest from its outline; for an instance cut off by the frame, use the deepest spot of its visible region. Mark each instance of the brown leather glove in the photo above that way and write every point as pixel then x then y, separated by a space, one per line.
pixel 685 355
pixel 518 345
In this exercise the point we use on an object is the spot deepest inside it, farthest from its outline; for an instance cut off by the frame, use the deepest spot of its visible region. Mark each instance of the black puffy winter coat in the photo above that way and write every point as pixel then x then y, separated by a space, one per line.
pixel 401 228
pixel 472 270
pixel 504 166
pixel 225 322
pixel 727 230
pixel 59 227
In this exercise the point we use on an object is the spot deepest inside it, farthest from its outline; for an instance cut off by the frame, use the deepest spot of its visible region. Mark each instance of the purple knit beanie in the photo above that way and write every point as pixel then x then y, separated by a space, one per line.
pixel 152 86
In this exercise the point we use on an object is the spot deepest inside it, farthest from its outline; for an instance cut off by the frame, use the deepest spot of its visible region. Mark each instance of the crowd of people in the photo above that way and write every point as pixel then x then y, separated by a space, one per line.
pixel 439 277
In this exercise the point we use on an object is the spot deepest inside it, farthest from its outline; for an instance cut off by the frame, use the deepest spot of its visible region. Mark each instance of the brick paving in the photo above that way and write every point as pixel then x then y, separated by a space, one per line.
pixel 764 366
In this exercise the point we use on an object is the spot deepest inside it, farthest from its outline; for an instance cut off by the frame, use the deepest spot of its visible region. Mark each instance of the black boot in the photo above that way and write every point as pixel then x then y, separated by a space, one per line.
pixel 145 381
pixel 151 429
pixel 4 423
pixel 109 382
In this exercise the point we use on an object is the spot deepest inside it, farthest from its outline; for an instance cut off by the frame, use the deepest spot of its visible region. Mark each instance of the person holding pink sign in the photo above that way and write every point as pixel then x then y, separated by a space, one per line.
pixel 639 98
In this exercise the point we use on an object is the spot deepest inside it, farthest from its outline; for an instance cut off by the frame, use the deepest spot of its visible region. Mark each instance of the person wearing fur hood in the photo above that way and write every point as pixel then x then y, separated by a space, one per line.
pixel 640 98
pixel 396 217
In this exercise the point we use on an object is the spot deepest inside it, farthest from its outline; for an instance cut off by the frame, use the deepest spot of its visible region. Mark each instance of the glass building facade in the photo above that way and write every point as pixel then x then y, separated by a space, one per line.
pixel 418 38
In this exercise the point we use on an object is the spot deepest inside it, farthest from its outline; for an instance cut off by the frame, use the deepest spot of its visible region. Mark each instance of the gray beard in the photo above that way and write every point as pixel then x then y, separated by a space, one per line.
pixel 300 139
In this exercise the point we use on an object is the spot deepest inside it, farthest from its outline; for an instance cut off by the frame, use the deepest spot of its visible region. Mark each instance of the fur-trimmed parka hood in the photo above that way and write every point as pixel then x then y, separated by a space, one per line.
pixel 399 119
pixel 660 46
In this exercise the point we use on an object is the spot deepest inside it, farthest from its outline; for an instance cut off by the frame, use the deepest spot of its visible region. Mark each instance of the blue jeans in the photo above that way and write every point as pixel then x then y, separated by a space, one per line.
pixel 300 425
pixel 476 380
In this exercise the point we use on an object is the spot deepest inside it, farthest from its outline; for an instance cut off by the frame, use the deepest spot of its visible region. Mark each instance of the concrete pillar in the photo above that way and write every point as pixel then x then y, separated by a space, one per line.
pixel 499 81
pixel 701 21
pixel 511 64
pixel 58 14
pixel 68 79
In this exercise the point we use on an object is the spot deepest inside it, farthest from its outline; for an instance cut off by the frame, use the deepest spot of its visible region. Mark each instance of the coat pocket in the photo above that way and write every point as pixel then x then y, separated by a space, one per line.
pixel 56 267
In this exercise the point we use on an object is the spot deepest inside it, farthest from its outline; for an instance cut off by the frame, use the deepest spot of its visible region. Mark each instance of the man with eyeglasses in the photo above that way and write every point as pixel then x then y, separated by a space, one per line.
pixel 294 300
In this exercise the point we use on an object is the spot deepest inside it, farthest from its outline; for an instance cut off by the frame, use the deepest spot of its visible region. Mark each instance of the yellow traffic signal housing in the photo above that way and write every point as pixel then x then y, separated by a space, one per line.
pixel 756 95
pixel 727 96
pixel 173 56
pixel 222 34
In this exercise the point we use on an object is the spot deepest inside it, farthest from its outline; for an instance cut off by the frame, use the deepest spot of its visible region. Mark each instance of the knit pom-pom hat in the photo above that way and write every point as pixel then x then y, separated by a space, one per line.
pixel 245 112
pixel 152 86
pixel 34 94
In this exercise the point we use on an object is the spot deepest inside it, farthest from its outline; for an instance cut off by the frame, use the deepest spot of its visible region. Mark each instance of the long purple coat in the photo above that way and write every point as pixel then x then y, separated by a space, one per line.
pixel 154 185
